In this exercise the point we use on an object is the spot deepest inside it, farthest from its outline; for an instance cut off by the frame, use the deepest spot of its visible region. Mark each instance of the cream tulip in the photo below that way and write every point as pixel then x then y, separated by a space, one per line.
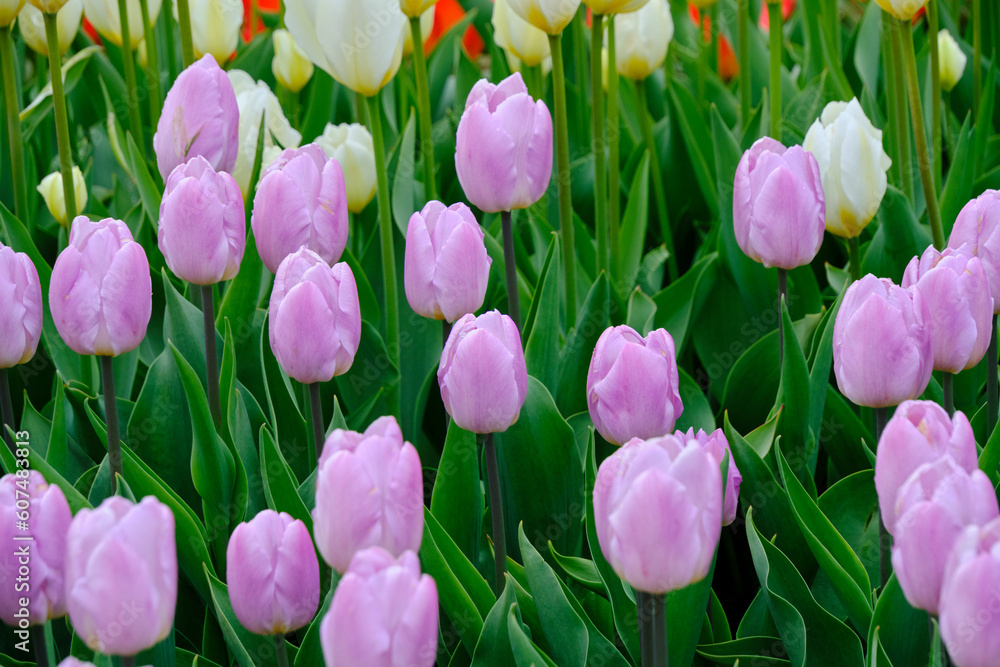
pixel 9 10
pixel 352 146
pixel 550 16
pixel 642 38
pixel 902 9
pixel 104 16
pixel 215 27
pixel 416 7
pixel 951 62
pixel 51 189
pixel 48 6
pixel 32 25
pixel 291 67
pixel 614 6
pixel 426 26
pixel 518 37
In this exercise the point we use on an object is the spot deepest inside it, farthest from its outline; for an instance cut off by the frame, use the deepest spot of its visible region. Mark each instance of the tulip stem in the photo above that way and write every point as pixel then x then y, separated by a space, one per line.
pixel 211 355
pixel 948 387
pixel 992 389
pixel 280 650
pixel 646 123
pixel 597 115
pixel 776 34
pixel 614 156
pixel 932 23
pixel 131 87
pixel 424 112
pixel 783 296
pixel 41 648
pixel 884 539
pixel 563 177
pixel 977 53
pixel 111 418
pixel 496 510
pixel 187 45
pixel 128 660
pixel 746 101
pixel 703 43
pixel 14 135
pixel 854 253
pixel 62 117
pixel 661 657
pixel 644 605
pixel 510 269
pixel 319 432
pixel 6 409
pixel 152 65
pixel 897 108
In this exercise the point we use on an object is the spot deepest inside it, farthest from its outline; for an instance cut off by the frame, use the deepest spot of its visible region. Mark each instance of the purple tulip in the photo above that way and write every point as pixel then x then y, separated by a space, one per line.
pixel 315 317
pixel 273 574
pixel 301 201
pixel 632 385
pixel 717 446
pixel 101 295
pixel 976 228
pixel 121 575
pixel 384 614
pixel 658 510
pixel 779 213
pixel 35 570
pixel 970 599
pixel 503 151
pixel 919 432
pixel 202 224
pixel 955 288
pixel 20 308
pixel 482 375
pixel 369 492
pixel 200 117
pixel 882 350
pixel 446 269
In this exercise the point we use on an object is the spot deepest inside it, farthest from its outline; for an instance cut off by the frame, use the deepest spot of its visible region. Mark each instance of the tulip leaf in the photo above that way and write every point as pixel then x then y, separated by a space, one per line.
pixel 184 327
pixel 679 304
pixel 526 653
pixel 990 458
pixel 697 410
pixel 633 232
pixel 149 194
pixel 757 651
pixel 243 296
pixel 74 498
pixel 640 313
pixel 457 498
pixel 229 395
pixel 72 70
pixel 287 422
pixel 57 452
pixel 406 194
pixel 493 648
pixel 580 569
pixel 903 633
pixel 280 487
pixel 697 139
pixel 898 239
pixel 541 333
pixel 594 317
pixel 311 651
pixel 961 174
pixel 794 394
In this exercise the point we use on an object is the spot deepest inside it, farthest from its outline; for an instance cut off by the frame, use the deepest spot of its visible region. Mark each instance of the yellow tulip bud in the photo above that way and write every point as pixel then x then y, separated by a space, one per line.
pixel 51 189
pixel 291 67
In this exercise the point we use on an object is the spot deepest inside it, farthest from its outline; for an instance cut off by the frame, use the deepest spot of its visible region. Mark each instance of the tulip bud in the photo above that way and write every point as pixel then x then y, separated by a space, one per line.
pixel 32 25
pixel 658 512
pixel 74 662
pixel 48 6
pixel 778 205
pixel 273 574
pixel 903 10
pixel 51 189
pixel 301 201
pixel 642 39
pixel 369 492
pixel 952 59
pixel 518 37
pixel 551 16
pixel 100 294
pixel 718 447
pixel 446 269
pixel 200 118
pixel 482 374
pixel 215 27
pixel 351 145
pixel 633 385
pixel 882 350
pixel 121 573
pixel 976 230
pixel 919 432
pixel 104 16
pixel 957 294
pixel 426 26
pixel 853 166
pixel 40 544
pixel 614 6
pixel 970 624
pixel 503 152
pixel 414 8
pixel 20 308
pixel 9 10
pixel 315 317
pixel 290 66
pixel 384 613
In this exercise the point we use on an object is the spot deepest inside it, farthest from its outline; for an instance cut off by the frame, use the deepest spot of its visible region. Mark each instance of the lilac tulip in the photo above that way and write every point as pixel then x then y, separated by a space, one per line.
pixel 970 599
pixel 882 350
pixel 301 201
pixel 779 212
pixel 658 511
pixel 101 295
pixel 315 317
pixel 482 374
pixel 20 308
pixel 717 446
pixel 200 117
pixel 976 228
pixel 632 385
pixel 369 492
pixel 503 151
pixel 202 231
pixel 121 575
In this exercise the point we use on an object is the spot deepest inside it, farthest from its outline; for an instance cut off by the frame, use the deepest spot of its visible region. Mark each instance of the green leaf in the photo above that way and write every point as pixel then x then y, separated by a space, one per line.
pixel 287 421
pixel 148 192
pixel 406 194
pixel 37 462
pixel 679 304
pixel 582 570
pixel 311 651
pixel 961 175
pixel 897 240
pixel 280 487
pixel 526 654
pixel 493 646
pixel 697 410
pixel 457 498
pixel 762 651
pixel 245 291
pixel 594 317
pixel 633 231
pixel 990 458
pixel 794 394
pixel 902 630
pixel 697 139
pixel 541 329
pixel 57 452
pixel 248 649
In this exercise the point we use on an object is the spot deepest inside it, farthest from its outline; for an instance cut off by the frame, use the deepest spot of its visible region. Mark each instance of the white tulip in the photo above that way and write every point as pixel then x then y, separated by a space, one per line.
pixel 32 25
pixel 416 7
pixel 9 9
pixel 215 27
pixel 550 16
pixel 426 26
pixel 104 16
pixel 614 6
pixel 51 189
pixel 291 67
pixel 902 9
pixel 642 39
pixel 951 60
pixel 518 37
pixel 48 6
pixel 352 147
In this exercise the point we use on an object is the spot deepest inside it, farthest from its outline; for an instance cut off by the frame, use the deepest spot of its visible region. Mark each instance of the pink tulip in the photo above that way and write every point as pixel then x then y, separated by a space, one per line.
pixel 970 599
pixel 20 308
pixel 976 228
pixel 717 446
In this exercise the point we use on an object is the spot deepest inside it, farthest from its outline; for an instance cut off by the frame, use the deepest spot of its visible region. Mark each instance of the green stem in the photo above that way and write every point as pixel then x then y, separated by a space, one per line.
pixel 833 16
pixel 510 270
pixel 211 355
pixel 14 136
pixel 319 432
pixel 6 409
pixel 783 296
pixel 775 32
pixel 62 117
pixel 644 607
pixel 899 91
pixel 600 168
pixel 932 23
pixel 128 661
pixel 563 177
pixel 992 388
pixel 746 101
pixel 948 387
pixel 884 539
pixel 646 122
pixel 661 656
pixel 281 653
pixel 40 645
pixel 131 87
pixel 424 108
pixel 168 29
pixel 703 56
pixel 854 254
pixel 388 252
pixel 977 53
pixel 614 157
pixel 152 64
pixel 111 417
pixel 187 45
pixel 496 511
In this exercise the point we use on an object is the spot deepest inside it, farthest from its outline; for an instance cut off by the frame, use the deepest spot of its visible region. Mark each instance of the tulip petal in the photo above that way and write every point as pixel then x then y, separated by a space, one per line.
pixel 480 389
pixel 307 352
pixel 127 298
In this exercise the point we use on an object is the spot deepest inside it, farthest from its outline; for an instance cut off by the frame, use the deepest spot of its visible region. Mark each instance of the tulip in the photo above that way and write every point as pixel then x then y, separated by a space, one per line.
pixel 273 574
pixel 426 25
pixel 32 25
pixel 301 201
pixel 352 147
pixel 605 7
pixel 882 350
pixel 518 37
pixel 20 308
pixel 315 317
pixel 358 42
pixel 551 16
pixel 952 59
pixel 970 624
pixel 104 16
pixel 483 377
pixel 290 66
pixel 48 519
pixel 633 385
pixel 121 575
pixel 718 447
pixel 919 432
pixel 74 662
pixel 778 205
pixel 414 8
pixel 503 152
pixel 728 67
pixel 642 39
pixel 976 228
pixel 51 189
pixel 446 269
pixel 957 293
pixel 852 164
pixel 9 10
pixel 215 28
pixel 48 6
pixel 903 10
pixel 383 614
pixel 100 294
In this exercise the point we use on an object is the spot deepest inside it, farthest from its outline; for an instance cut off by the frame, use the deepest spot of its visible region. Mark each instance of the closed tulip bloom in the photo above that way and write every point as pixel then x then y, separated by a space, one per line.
pixel 633 385
pixel 852 164
pixel 970 626
pixel 414 8
pixel 426 26
pixel 778 205
pixel 351 145
pixel 614 6
pixel 518 37
pixel 642 39
pixel 290 66
pixel 919 432
pixel 383 614
pixel 957 293
pixel 503 152
pixel 446 269
pixel 718 447
pixel 215 27
pixel 976 228
pixel 315 317
pixel 273 574
pixel 48 518
pixel 952 59
pixel 369 492
pixel 550 16
pixel 32 25
pixel 20 308
pixel 902 9
pixel 51 189
pixel 100 294
pixel 104 16
pixel 301 201
pixel 482 375
pixel 658 511
pixel 48 6
pixel 9 10
pixel 121 575
pixel 882 350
